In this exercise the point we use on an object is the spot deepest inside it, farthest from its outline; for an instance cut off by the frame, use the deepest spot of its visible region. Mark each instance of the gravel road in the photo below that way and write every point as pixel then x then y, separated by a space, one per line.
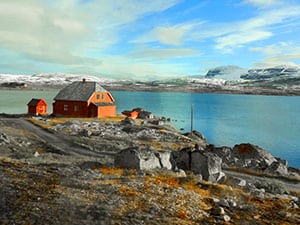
pixel 62 144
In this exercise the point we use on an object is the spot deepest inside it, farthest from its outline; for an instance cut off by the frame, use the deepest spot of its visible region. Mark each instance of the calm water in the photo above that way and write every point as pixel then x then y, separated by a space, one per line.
pixel 271 122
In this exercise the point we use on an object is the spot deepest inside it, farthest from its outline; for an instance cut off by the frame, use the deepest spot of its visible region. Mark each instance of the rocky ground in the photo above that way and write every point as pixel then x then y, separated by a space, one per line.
pixel 159 178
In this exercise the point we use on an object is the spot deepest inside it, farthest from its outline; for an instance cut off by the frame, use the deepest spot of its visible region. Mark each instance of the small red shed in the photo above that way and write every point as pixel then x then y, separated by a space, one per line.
pixel 37 106
pixel 131 114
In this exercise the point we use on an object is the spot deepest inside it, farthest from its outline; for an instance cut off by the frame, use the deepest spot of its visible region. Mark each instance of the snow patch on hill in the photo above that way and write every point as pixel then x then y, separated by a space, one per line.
pixel 51 78
pixel 226 72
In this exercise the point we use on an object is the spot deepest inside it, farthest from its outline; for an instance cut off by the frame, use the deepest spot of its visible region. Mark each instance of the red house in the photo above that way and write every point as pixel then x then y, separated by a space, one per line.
pixel 84 99
pixel 37 106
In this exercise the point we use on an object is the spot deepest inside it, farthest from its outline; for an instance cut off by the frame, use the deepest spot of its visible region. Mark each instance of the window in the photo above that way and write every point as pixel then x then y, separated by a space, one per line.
pixel 100 96
pixel 76 108
pixel 66 107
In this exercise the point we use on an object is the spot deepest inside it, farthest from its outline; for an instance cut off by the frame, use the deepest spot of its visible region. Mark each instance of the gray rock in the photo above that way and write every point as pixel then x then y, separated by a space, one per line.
pixel 235 181
pixel 164 157
pixel 142 159
pixel 217 211
pixel 196 135
pixel 128 121
pixel 86 133
pixel 270 187
pixel 128 158
pixel 208 165
pixel 180 173
pixel 225 153
pixel 251 156
pixel 181 159
pixel 205 164
pixel 4 138
pixel 278 167
pixel 226 218
pixel 224 203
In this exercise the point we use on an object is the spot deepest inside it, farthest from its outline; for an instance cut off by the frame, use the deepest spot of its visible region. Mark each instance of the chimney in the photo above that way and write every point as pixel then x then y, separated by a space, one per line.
pixel 83 80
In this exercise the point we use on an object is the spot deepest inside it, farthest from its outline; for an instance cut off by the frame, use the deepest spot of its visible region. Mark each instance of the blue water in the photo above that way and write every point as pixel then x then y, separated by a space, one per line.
pixel 271 122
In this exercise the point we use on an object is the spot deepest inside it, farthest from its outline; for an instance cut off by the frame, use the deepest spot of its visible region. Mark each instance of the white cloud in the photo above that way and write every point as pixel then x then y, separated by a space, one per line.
pixel 273 49
pixel 282 53
pixel 124 67
pixel 239 39
pixel 229 36
pixel 40 32
pixel 168 35
pixel 65 32
pixel 262 3
pixel 153 54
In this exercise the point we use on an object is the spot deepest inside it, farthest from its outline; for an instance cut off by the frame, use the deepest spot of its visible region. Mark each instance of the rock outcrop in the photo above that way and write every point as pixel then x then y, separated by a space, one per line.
pixel 205 164
pixel 251 156
pixel 142 159
pixel 248 156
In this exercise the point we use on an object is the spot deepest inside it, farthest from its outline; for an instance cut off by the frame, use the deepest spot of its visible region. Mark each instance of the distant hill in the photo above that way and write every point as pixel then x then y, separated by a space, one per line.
pixel 238 73
pixel 279 80
pixel 273 72
pixel 47 79
pixel 226 72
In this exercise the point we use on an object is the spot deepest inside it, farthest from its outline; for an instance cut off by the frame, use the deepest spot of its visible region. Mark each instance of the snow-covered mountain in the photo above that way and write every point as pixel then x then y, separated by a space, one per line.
pixel 55 79
pixel 226 72
pixel 234 73
pixel 273 72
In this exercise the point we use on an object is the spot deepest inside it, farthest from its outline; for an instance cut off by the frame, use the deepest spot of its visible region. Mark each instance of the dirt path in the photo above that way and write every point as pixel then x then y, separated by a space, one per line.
pixel 61 144
pixel 289 185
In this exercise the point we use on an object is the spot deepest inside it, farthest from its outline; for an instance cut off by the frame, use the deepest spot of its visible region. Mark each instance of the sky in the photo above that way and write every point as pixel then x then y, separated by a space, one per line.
pixel 146 39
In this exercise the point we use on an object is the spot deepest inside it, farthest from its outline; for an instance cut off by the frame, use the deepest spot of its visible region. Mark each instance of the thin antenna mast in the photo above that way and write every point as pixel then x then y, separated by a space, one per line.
pixel 192 116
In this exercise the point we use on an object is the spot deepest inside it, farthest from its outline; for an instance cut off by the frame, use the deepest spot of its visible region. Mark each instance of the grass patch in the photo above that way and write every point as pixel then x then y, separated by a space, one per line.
pixel 125 190
pixel 50 122
pixel 112 171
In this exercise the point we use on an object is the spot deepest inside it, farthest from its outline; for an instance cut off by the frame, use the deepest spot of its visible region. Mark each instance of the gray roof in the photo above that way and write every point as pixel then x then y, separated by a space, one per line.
pixel 34 102
pixel 79 91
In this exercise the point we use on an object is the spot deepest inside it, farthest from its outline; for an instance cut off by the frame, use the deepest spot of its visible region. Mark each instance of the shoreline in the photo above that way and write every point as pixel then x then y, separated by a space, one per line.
pixel 118 118
pixel 177 89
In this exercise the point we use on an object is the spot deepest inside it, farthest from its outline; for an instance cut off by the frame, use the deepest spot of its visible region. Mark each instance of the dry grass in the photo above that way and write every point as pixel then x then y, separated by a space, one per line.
pixel 13 162
pixel 125 190
pixel 112 171
pixel 169 181
pixel 181 213
pixel 60 120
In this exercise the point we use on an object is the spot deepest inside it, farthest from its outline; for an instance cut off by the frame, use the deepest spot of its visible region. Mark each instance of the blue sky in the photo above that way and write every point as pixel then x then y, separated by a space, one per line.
pixel 146 39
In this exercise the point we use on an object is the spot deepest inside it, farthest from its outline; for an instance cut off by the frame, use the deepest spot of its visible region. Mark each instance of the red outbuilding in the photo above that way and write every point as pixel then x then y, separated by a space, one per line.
pixel 131 114
pixel 84 99
pixel 37 106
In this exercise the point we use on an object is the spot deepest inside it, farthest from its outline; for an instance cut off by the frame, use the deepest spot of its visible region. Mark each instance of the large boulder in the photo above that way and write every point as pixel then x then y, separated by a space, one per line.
pixel 205 164
pixel 181 159
pixel 208 165
pixel 279 167
pixel 250 156
pixel 225 153
pixel 142 159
